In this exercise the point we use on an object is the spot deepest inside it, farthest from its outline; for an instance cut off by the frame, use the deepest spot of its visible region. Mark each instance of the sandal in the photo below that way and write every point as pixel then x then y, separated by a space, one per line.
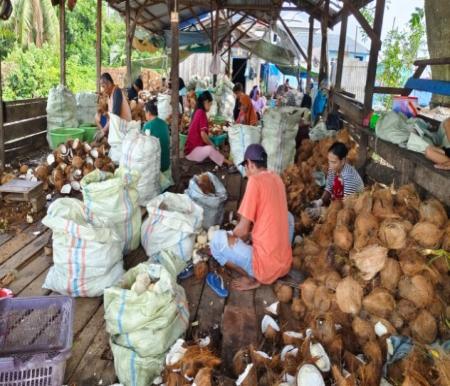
pixel 215 282
pixel 187 272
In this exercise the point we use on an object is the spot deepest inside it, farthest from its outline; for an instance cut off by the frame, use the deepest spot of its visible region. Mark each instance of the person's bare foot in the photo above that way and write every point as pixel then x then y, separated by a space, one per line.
pixel 444 166
pixel 244 284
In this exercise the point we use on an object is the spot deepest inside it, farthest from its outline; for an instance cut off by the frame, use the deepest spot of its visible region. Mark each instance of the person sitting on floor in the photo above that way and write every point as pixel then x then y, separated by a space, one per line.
pixel 264 214
pixel 440 155
pixel 102 120
pixel 342 179
pixel 198 144
pixel 247 114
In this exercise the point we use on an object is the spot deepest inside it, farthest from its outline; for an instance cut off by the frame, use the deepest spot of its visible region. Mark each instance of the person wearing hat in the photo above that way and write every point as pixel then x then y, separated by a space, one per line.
pixel 263 215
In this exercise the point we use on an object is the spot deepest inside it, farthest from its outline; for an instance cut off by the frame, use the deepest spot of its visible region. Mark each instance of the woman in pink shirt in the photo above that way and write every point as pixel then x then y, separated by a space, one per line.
pixel 198 145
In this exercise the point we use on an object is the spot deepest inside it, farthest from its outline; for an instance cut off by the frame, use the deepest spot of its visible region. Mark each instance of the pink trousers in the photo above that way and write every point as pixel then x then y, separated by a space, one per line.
pixel 200 153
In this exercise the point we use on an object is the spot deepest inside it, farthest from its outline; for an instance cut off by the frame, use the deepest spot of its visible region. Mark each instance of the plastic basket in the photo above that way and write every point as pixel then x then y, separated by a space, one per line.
pixel 89 133
pixel 182 140
pixel 35 339
pixel 218 139
pixel 62 135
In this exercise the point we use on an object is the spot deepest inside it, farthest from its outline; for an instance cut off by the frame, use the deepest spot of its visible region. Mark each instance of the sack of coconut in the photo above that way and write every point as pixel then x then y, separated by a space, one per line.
pixel 142 153
pixel 278 136
pixel 172 223
pixel 113 199
pixel 240 136
pixel 87 258
pixel 118 129
pixel 207 191
pixel 164 106
pixel 145 314
pixel 86 107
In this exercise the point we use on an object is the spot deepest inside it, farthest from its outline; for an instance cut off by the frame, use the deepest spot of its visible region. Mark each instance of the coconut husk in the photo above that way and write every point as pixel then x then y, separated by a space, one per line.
pixel 322 299
pixel 442 363
pixel 310 248
pixel 297 263
pixel 432 211
pixel 436 307
pixel 424 327
pixel 205 184
pixel 306 222
pixel 393 233
pixel 340 379
pixel 363 203
pixel 284 292
pixel 427 234
pixel 332 280
pixel 396 320
pixel 307 291
pixel 370 260
pixel 387 325
pixel 175 379
pixel 345 217
pixel 407 195
pixel 342 238
pixel 406 309
pixel 417 289
pixel 248 377
pixel 363 330
pixel 366 227
pixel 446 238
pixel 407 213
pixel 335 348
pixel 240 361
pixel 379 302
pixel 298 308
pixel 390 274
pixel 203 377
pixel 349 295
pixel 324 328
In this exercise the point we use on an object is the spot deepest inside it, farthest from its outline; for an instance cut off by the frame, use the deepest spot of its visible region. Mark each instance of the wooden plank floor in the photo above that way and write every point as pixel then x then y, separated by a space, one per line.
pixel 91 362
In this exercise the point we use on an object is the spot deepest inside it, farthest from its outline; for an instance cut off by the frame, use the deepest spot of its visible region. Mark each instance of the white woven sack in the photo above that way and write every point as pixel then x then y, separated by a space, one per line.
pixel 240 137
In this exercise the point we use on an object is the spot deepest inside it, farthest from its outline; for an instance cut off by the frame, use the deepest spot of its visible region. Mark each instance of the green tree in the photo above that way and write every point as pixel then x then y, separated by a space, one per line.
pixel 33 22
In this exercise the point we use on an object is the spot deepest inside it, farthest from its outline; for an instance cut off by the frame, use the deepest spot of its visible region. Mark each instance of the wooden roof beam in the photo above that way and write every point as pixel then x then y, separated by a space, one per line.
pixel 358 4
pixel 232 28
pixel 294 40
pixel 363 22
pixel 311 9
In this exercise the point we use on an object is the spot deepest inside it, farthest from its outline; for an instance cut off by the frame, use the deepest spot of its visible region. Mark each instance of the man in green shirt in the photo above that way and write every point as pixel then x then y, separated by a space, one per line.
pixel 159 129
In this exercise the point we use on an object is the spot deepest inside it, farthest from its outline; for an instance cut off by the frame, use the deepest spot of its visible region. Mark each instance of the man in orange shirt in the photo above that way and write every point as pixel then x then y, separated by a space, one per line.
pixel 263 214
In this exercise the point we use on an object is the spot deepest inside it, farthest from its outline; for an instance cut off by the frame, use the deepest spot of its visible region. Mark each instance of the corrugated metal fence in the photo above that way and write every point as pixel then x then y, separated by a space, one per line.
pixel 354 75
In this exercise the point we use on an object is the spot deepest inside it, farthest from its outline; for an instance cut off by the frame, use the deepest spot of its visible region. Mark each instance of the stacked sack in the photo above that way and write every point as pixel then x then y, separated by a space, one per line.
pixel 164 106
pixel 225 98
pixel 118 129
pixel 86 107
pixel 143 153
pixel 113 199
pixel 240 137
pixel 145 314
pixel 278 136
pixel 168 234
pixel 87 258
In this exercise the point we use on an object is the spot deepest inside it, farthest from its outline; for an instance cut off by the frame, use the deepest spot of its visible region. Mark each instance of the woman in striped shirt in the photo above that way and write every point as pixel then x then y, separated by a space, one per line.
pixel 342 180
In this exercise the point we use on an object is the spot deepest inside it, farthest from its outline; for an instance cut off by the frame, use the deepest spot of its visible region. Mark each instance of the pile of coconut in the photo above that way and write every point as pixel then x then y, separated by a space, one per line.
pixel 299 178
pixel 69 163
pixel 378 266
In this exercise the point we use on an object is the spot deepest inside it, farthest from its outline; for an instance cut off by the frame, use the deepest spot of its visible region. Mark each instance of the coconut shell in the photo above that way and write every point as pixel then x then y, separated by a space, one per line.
pixel 379 302
pixel 370 260
pixel 363 330
pixel 349 295
pixel 307 291
pixel 342 238
pixel 292 337
pixel 432 211
pixel 77 162
pixel 417 289
pixel 393 233
pixel 424 327
pixel 390 274
pixel 406 309
pixel 298 308
pixel 240 361
pixel 284 293
pixel 427 234
pixel 322 299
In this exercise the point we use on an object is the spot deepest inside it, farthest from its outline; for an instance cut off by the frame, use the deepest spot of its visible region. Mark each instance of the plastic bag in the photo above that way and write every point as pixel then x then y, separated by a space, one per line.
pixel 212 204
pixel 240 137
pixel 172 223
pixel 87 258
pixel 278 136
pixel 113 200
pixel 144 326
pixel 143 154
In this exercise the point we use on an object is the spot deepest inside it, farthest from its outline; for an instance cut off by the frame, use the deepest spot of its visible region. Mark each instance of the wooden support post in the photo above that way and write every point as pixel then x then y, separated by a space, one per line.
pixel 229 66
pixel 373 58
pixel 341 52
pixel 310 49
pixel 62 42
pixel 215 24
pixel 128 41
pixel 99 44
pixel 175 58
pixel 2 133
pixel 323 72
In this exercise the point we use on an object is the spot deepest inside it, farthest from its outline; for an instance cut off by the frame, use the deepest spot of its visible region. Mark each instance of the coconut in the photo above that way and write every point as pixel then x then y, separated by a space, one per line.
pixel 446 239
pixel 240 361
pixel 248 377
pixel 345 217
pixel 392 234
pixel 370 260
pixel 366 226
pixel 407 195
pixel 269 327
pixel 364 203
pixel 308 288
pixel 310 248
pixel 298 308
pixel 201 270
pixel 205 184
pixel 324 328
pixel 432 211
pixel 323 361
pixel 292 338
pixel 363 329
pixel 424 327
pixel 411 262
pixel 379 302
pixel 306 221
pixel 332 279
pixel 349 296
pixel 418 289
pixel 260 358
pixel 203 377
pixel 283 292
pixel 98 163
pixel 41 172
pixel 23 169
pixel 58 178
pixel 406 309
pixel 396 320
pixel 390 274
pixel 87 168
pixel 342 238
pixel 309 375
pixel 273 308
pixel 77 162
pixel 427 234
pixel 322 299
